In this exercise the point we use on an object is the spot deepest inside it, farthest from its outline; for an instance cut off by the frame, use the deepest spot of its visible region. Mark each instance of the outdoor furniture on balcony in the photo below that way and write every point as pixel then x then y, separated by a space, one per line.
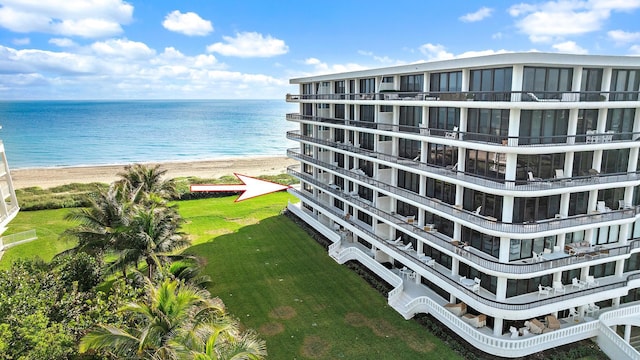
pixel 570 97
pixel 458 309
pixel 558 287
pixel 592 308
pixel 533 178
pixel 573 313
pixel 477 321
pixel 602 207
pixel 514 332
pixel 467 282
pixel 591 138
pixel 579 284
pixel 534 97
pixel 411 219
pixel 535 326
pixel 408 247
pixel 552 322
pixel 452 134
pixel 426 259
pixel 544 290
pixel 476 286
pixel 591 281
pixel 397 241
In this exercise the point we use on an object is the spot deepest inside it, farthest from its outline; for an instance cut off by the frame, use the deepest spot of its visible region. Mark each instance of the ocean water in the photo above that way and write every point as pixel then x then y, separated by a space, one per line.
pixel 75 133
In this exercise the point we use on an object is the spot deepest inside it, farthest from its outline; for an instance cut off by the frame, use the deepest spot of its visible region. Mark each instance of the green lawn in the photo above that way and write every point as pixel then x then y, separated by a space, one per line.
pixel 275 279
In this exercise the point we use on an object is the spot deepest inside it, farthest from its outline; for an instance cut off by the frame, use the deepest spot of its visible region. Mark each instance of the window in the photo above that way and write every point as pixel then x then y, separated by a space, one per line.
pixel 491 84
pixel 486 164
pixel 410 181
pixel 542 166
pixel 411 83
pixel 441 190
pixel 543 126
pixel 624 85
pixel 535 209
pixel 442 119
pixel 442 155
pixel 446 82
pixel 339 111
pixel 491 205
pixel 486 243
pixel 339 87
pixel 591 84
pixel 547 83
pixel 408 149
pixel 620 122
pixel 614 161
pixel 489 125
pixel 367 86
pixel 410 117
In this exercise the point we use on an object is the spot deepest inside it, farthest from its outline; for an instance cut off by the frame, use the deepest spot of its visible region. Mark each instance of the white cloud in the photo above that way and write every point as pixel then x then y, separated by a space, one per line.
pixel 320 67
pixel 122 48
pixel 85 18
pixel 123 69
pixel 62 42
pixel 385 60
pixel 188 23
pixel 623 37
pixel 569 47
pixel 497 36
pixel 21 41
pixel 435 52
pixel 249 44
pixel 555 20
pixel 481 14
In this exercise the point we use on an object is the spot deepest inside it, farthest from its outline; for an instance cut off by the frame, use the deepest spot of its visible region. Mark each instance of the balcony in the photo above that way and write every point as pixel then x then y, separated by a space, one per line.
pixel 465 254
pixel 443 277
pixel 524 188
pixel 492 96
pixel 502 143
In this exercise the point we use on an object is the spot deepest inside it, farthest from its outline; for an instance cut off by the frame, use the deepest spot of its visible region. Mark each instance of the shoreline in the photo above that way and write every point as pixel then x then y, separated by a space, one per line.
pixel 48 177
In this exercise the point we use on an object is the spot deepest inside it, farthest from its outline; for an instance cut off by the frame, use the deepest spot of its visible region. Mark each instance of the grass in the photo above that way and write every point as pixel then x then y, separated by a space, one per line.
pixel 49 225
pixel 275 279
pixel 278 280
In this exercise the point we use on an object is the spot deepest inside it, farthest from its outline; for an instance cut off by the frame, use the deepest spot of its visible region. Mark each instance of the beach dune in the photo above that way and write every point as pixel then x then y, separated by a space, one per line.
pixel 56 176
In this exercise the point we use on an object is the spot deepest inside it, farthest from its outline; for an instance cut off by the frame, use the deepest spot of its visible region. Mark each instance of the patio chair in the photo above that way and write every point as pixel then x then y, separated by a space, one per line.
pixel 579 284
pixel 543 290
pixel 533 178
pixel 591 308
pixel 573 312
pixel 591 281
pixel 559 174
pixel 558 287
pixel 514 332
pixel 458 309
pixel 452 134
pixel 552 322
pixel 408 247
pixel 534 326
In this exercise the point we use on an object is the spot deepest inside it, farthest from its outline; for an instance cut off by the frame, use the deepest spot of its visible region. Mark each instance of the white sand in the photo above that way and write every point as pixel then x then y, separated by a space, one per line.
pixel 56 176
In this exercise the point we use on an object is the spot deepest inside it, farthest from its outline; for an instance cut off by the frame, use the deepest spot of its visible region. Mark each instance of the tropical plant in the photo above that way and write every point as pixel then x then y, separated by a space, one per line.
pixel 152 236
pixel 102 223
pixel 147 183
pixel 174 321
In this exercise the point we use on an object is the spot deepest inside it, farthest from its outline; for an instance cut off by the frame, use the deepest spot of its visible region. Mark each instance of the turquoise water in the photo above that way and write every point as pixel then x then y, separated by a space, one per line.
pixel 74 133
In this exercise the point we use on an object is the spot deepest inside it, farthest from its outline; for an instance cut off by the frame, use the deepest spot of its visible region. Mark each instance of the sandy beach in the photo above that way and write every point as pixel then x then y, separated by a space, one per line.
pixel 51 177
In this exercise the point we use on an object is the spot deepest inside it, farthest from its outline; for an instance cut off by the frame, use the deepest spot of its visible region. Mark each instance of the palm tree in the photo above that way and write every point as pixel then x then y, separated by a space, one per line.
pixel 173 321
pixel 102 223
pixel 152 236
pixel 148 182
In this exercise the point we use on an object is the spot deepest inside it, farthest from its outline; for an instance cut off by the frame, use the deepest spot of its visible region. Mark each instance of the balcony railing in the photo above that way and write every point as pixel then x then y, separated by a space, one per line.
pixel 444 242
pixel 514 304
pixel 495 96
pixel 590 138
pixel 504 186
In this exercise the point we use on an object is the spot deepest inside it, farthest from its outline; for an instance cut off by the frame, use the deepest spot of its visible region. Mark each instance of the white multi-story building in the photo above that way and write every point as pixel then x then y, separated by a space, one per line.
pixel 500 194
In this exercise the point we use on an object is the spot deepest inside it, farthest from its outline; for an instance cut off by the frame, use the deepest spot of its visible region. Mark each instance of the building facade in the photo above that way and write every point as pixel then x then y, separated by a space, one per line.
pixel 500 194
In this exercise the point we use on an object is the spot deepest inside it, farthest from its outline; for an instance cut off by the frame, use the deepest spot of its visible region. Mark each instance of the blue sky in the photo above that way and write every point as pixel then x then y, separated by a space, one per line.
pixel 116 49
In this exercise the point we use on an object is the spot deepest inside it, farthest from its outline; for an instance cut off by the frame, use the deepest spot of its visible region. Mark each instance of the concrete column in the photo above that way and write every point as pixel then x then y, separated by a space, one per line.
pixel 501 289
pixel 497 326
pixel 627 333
